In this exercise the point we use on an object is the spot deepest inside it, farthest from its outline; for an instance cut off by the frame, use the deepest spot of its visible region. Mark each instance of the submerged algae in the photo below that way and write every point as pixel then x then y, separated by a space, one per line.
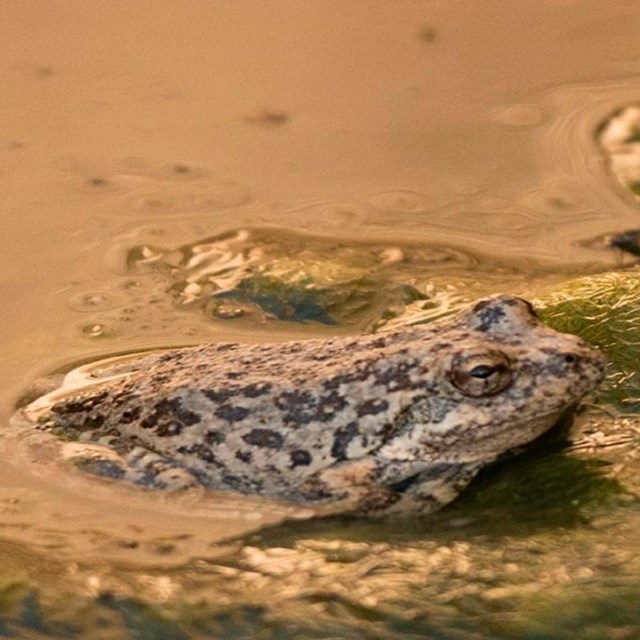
pixel 605 311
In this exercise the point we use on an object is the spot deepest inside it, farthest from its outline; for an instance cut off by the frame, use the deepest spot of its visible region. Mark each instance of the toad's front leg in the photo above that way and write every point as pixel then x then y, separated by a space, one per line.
pixel 351 486
pixel 363 487
pixel 433 487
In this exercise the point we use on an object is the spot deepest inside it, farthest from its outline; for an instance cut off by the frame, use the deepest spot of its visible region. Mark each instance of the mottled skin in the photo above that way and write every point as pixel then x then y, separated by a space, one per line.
pixel 367 424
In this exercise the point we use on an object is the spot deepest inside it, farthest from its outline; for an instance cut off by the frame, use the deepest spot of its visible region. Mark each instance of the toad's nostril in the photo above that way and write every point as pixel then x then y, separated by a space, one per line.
pixel 570 358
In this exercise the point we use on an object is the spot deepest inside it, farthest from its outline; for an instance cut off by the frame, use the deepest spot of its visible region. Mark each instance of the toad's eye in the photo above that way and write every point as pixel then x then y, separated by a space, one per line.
pixel 481 374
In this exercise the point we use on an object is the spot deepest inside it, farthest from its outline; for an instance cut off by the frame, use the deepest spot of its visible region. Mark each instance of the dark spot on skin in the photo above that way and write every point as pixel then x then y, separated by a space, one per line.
pixel 167 429
pixel 296 404
pixel 397 376
pixel 315 489
pixel 264 438
pixel 104 468
pixel 330 404
pixel 235 375
pixel 332 383
pixel 356 376
pixel 230 346
pixel 235 482
pixel 200 451
pixel 94 422
pixel 300 458
pixel 436 412
pixel 377 498
pixel 129 416
pixel 302 407
pixel 149 421
pixel 79 405
pixel 341 440
pixel 244 456
pixel 172 356
pixel 372 407
pixel 214 437
pixel 387 431
pixel 243 484
pixel 255 390
pixel 293 348
pixel 173 409
pixel 217 396
pixel 489 314
pixel 123 397
pixel 232 414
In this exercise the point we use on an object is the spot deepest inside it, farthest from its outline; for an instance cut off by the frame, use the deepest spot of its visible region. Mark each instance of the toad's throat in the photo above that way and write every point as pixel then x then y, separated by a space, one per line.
pixel 494 440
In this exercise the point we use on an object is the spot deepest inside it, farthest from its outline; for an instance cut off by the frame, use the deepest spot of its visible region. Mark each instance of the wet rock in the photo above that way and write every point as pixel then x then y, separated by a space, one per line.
pixel 619 139
pixel 291 277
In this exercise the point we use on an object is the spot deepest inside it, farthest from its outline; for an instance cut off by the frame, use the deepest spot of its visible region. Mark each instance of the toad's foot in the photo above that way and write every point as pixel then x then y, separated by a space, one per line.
pixel 134 464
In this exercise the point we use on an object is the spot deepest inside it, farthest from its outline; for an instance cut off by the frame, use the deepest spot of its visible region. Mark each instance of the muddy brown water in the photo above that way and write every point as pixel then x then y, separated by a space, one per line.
pixel 463 123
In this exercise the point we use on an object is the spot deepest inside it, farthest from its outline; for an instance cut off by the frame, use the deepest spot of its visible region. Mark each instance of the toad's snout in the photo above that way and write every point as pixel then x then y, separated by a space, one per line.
pixel 582 361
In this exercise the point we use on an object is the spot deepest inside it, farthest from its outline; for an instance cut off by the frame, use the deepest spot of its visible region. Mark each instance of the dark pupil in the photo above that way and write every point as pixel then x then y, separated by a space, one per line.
pixel 483 371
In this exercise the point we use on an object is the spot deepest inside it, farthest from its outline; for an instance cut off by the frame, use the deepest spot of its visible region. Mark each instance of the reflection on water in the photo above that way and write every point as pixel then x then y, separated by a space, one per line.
pixel 459 574
pixel 437 151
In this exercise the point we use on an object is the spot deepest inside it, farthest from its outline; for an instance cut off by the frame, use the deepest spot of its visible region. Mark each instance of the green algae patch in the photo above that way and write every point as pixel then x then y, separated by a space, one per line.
pixel 305 297
pixel 19 603
pixel 605 311
pixel 543 491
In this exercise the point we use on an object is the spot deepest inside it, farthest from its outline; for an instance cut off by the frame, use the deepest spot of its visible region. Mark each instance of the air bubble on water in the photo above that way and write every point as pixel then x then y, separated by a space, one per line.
pixel 229 313
pixel 96 330
pixel 126 315
pixel 92 300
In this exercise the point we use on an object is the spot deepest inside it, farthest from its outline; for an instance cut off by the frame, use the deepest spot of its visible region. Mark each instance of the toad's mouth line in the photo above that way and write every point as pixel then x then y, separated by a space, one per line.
pixel 554 415
pixel 559 411
pixel 491 441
